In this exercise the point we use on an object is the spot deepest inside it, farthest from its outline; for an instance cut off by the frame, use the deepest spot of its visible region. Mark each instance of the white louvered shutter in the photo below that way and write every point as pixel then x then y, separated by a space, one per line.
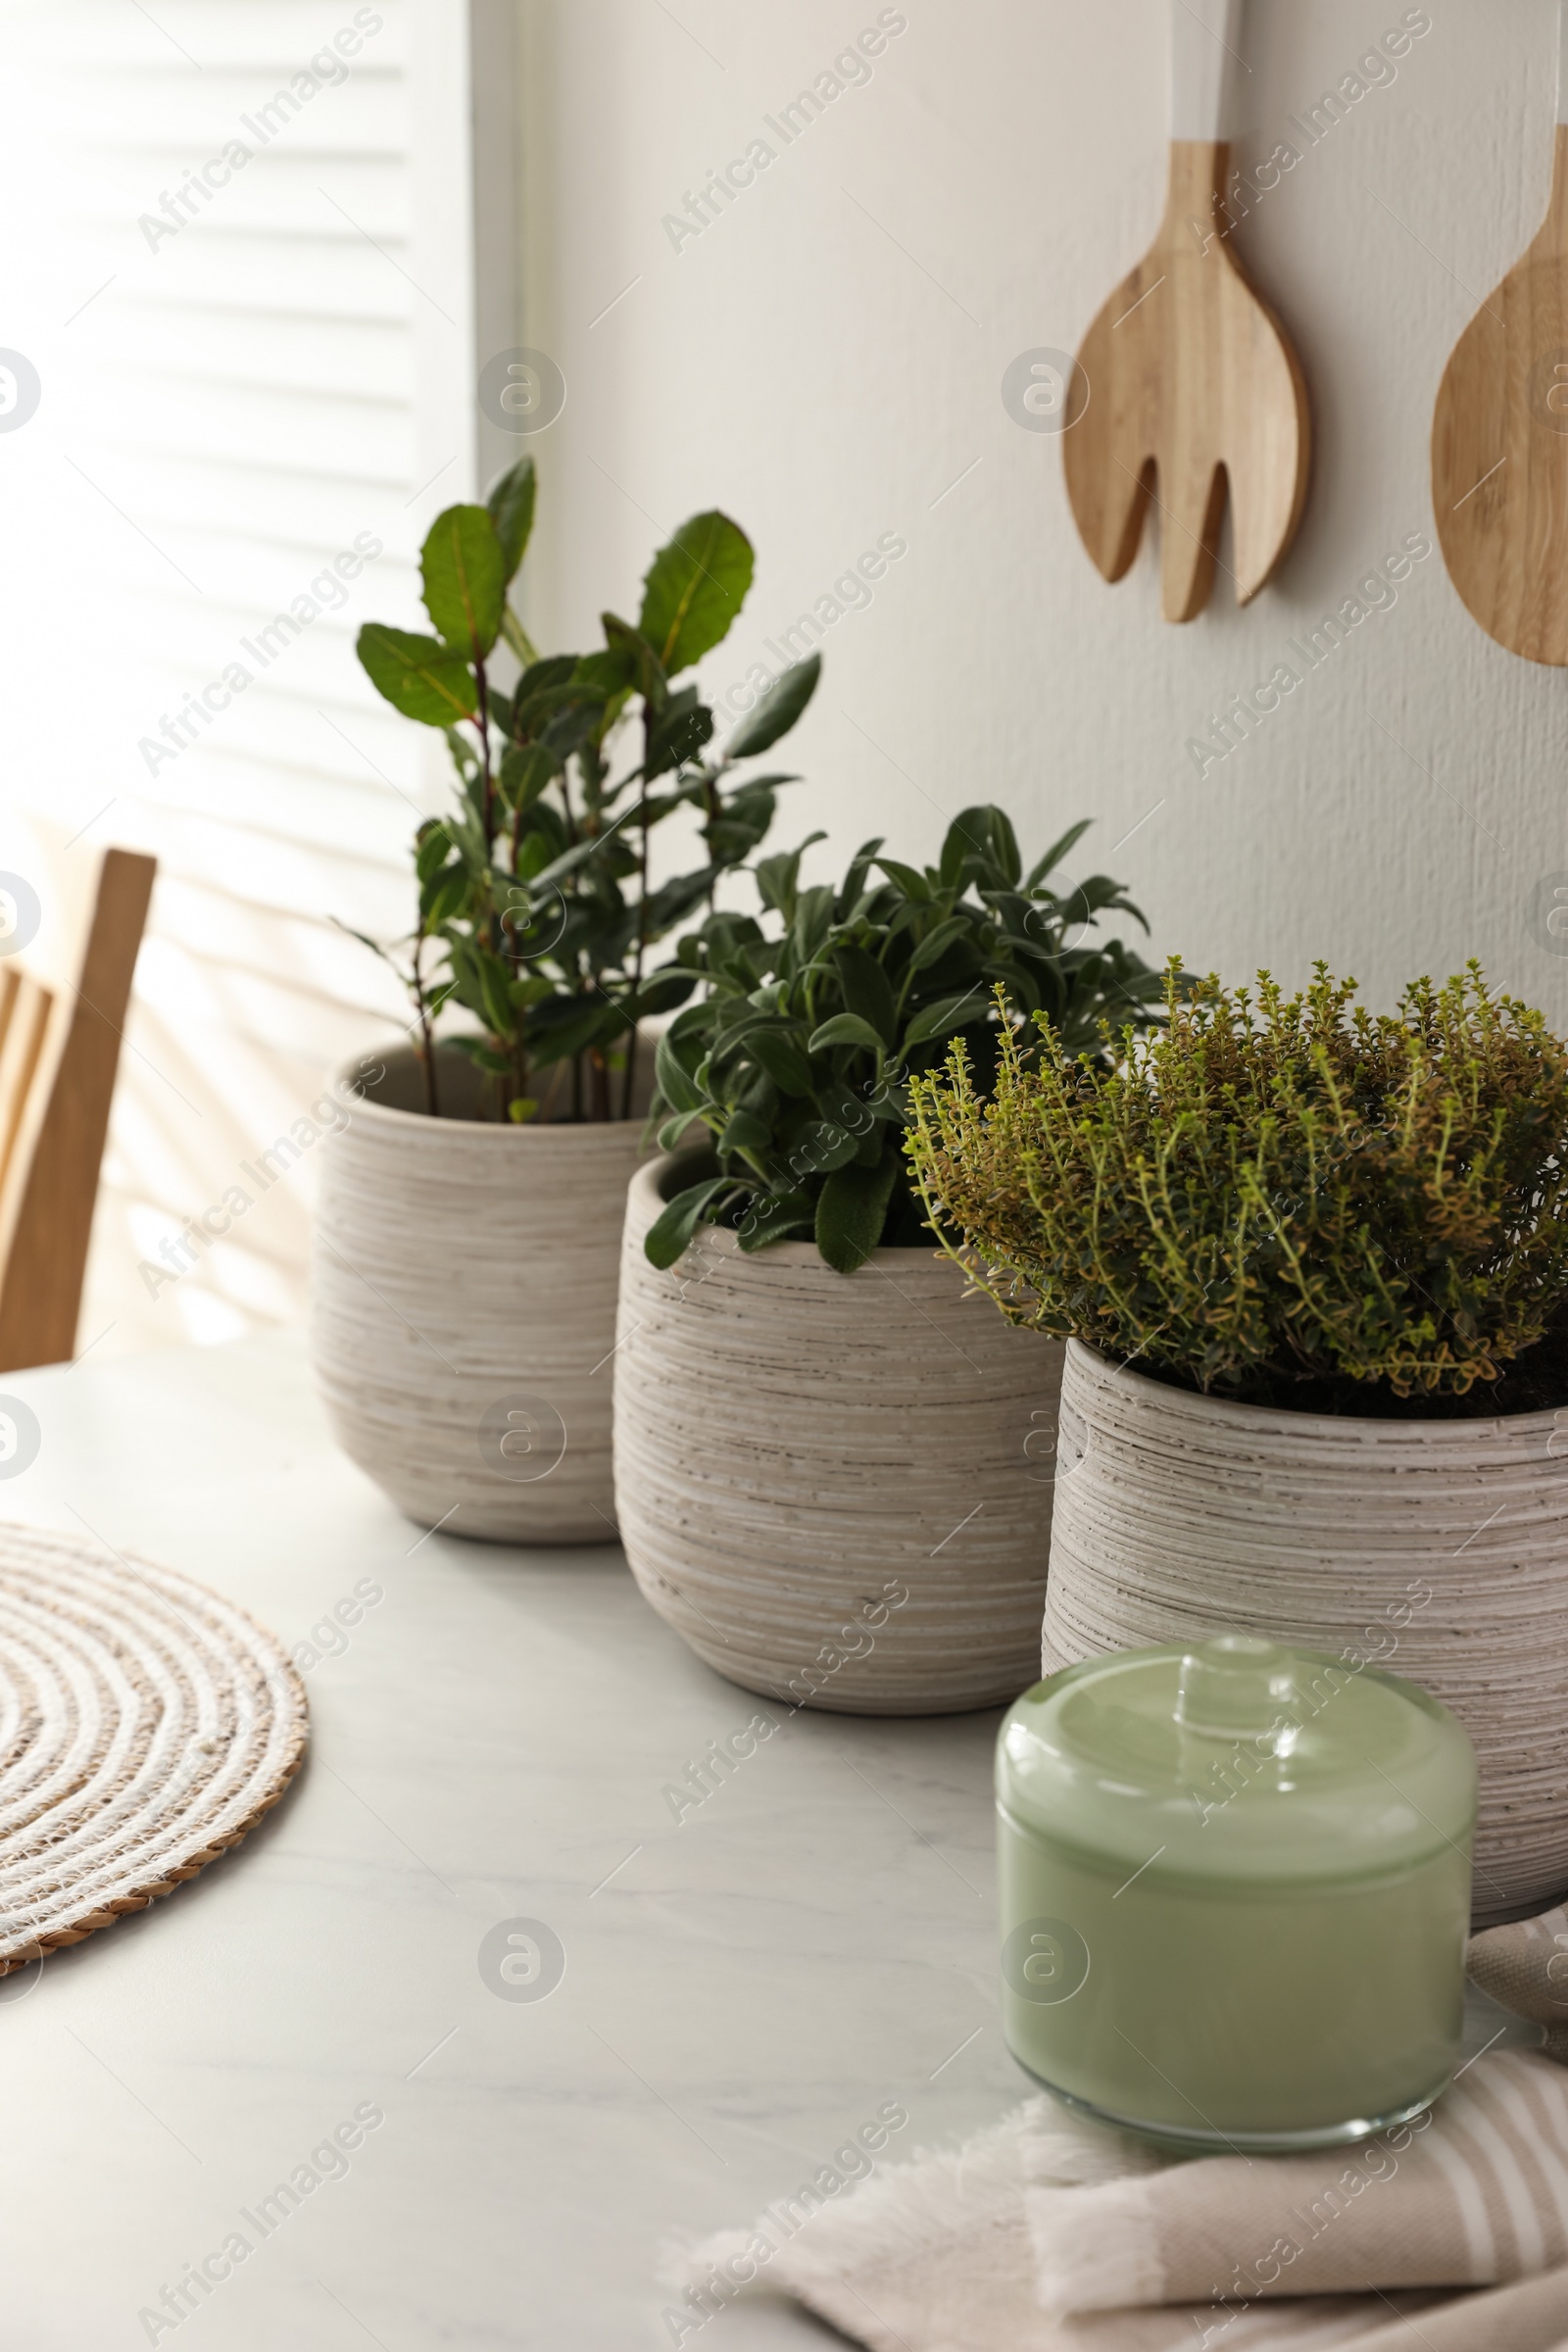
pixel 247 290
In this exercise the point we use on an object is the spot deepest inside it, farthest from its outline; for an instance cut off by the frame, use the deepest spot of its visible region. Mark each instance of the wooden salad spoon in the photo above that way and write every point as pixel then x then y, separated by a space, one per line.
pixel 1186 383
pixel 1499 437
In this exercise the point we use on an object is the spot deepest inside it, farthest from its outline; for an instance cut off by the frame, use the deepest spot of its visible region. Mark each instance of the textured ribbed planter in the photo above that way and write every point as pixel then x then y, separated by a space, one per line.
pixel 1435 1549
pixel 464 1309
pixel 836 1488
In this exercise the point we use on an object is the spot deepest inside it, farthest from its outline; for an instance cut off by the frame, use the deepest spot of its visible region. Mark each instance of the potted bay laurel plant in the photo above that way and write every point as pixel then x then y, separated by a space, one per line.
pixel 467 1236
pixel 833 1470
pixel 1311 1265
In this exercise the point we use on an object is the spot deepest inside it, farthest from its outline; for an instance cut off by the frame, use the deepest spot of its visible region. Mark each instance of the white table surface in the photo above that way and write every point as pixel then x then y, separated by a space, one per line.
pixel 745 1991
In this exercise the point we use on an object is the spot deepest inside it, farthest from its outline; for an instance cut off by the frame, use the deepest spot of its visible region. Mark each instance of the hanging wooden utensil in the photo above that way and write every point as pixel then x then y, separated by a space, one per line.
pixel 1186 382
pixel 1499 437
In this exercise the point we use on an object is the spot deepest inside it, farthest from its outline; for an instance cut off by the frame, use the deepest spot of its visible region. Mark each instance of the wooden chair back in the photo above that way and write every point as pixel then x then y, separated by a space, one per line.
pixel 62 1018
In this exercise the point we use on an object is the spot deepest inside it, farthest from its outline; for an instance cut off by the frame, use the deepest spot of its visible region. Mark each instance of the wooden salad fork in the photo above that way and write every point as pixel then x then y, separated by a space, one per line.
pixel 1187 386
pixel 1499 437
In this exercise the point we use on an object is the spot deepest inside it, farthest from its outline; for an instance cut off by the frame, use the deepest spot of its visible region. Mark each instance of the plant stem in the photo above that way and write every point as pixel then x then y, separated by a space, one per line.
pixel 629 1075
pixel 712 803
pixel 629 1079
pixel 427 1048
pixel 482 722
pixel 495 935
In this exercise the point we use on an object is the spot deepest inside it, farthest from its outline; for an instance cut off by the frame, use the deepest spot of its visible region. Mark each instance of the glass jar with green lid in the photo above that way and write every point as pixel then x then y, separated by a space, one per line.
pixel 1235 1885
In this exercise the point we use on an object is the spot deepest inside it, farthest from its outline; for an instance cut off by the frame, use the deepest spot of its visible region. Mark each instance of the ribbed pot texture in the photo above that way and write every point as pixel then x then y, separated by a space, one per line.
pixel 1433 1549
pixel 463 1311
pixel 836 1488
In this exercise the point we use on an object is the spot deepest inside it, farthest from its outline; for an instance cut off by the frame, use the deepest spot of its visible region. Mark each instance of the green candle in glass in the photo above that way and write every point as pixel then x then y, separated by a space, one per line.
pixel 1235 1886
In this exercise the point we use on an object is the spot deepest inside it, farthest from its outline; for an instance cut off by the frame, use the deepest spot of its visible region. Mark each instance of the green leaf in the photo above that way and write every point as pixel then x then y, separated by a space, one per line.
pixel 676 1084
pixel 463 578
pixel 767 783
pixel 670 1133
pixel 509 503
pixel 592 846
pixel 694 589
pixel 677 735
pixel 814 920
pixel 851 1211
pixel 418 676
pixel 854 880
pixel 668 1239
pixel 661 991
pixel 606 674
pixel 866 989
pixel 541 677
pixel 776 1051
pixel 673 902
pixel 441 898
pixel 493 980
pixel 778 878
pixel 773 1217
pixel 432 848
pixel 946 1018
pixel 985 835
pixel 956 852
pixel 846 1107
pixel 845 1029
pixel 746 1132
pixel 643 667
pixel 697 1021
pixel 521 1107
pixel 935 944
pixel 777 711
pixel 823 1146
pixel 1087 900
pixel 909 880
pixel 543 836
pixel 526 772
pixel 741 825
pixel 365 939
pixel 1058 850
pixel 566 1040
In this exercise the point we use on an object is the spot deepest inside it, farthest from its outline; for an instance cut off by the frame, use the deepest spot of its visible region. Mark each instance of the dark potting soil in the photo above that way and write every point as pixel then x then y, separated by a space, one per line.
pixel 1536 1382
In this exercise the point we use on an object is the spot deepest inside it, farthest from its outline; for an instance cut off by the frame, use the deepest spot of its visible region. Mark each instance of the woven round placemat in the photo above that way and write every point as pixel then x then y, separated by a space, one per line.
pixel 146 1724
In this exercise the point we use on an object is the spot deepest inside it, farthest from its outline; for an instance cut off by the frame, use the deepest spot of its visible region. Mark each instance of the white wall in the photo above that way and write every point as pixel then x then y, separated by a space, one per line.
pixel 826 358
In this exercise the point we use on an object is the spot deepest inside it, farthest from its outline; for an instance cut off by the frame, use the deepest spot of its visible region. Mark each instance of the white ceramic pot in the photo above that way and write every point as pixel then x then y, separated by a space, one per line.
pixel 836 1488
pixel 464 1307
pixel 1435 1549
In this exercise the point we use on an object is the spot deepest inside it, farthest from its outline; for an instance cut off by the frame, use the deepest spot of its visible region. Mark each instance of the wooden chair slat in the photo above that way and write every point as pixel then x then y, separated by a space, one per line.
pixel 59 1054
pixel 9 986
pixel 27 1028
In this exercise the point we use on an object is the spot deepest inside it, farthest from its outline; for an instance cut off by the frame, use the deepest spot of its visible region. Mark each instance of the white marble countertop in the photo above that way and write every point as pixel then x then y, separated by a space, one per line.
pixel 743 1988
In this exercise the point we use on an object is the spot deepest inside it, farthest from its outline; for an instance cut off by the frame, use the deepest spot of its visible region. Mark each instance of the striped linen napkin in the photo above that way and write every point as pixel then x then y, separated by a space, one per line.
pixel 1049 2234
pixel 1525 1968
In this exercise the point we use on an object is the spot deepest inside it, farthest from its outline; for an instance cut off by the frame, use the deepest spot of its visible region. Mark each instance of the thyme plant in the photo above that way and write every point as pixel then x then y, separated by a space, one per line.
pixel 1275 1199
